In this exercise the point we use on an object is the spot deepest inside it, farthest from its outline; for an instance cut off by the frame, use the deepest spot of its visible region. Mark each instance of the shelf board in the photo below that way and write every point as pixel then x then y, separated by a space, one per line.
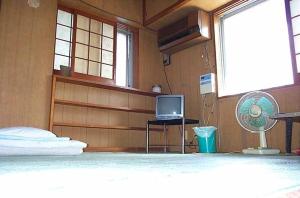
pixel 96 106
pixel 96 84
pixel 65 124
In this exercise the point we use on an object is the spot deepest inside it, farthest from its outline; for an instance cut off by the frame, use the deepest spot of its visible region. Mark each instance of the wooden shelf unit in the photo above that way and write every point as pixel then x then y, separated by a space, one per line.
pixel 60 103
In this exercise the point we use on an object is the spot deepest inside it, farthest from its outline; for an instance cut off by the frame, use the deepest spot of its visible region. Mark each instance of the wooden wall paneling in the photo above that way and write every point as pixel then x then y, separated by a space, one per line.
pixel 119 138
pixel 80 93
pixel 118 118
pixel 59 90
pixel 139 119
pixel 150 68
pixel 97 137
pixel 74 133
pixel 57 131
pixel 118 99
pixel 25 86
pixel 137 139
pixel 96 116
pixel 58 113
pixel 150 103
pixel 137 101
pixel 98 96
pixel 232 136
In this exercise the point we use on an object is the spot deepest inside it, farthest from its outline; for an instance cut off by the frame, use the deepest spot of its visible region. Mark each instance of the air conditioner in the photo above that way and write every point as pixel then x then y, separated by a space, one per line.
pixel 184 33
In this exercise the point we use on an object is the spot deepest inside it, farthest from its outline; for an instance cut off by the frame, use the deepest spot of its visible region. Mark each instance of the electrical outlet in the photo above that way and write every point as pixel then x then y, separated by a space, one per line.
pixel 186 135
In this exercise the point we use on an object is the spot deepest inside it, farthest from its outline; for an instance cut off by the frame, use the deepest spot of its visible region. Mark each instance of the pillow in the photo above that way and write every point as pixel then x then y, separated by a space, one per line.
pixel 26 132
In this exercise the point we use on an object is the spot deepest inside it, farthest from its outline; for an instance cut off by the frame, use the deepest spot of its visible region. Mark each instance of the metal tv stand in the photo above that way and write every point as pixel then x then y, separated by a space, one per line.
pixel 180 121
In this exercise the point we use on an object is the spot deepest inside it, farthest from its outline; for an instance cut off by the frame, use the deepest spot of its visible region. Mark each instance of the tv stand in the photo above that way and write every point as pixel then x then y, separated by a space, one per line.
pixel 180 121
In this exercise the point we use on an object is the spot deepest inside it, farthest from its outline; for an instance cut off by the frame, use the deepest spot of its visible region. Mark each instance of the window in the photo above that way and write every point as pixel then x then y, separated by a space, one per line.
pixel 295 20
pixel 124 67
pixel 63 41
pixel 92 53
pixel 254 48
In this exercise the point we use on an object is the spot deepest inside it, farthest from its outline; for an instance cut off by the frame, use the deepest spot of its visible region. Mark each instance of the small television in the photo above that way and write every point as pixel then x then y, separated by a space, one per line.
pixel 169 107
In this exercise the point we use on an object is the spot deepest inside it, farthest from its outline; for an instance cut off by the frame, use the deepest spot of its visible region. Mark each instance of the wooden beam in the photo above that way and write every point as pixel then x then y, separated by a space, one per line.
pixel 164 12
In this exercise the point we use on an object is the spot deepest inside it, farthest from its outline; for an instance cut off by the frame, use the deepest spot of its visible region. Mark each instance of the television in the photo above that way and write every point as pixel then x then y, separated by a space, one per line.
pixel 169 107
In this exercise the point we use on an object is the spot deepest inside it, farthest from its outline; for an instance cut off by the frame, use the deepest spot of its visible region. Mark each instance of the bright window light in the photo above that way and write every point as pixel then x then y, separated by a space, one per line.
pixel 121 59
pixel 124 65
pixel 255 48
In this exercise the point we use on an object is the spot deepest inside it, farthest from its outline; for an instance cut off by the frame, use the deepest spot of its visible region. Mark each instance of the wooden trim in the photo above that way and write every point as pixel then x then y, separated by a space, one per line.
pixel 143 129
pixel 96 106
pixel 114 53
pixel 73 44
pixel 265 90
pixel 122 149
pixel 104 86
pixel 227 6
pixel 164 12
pixel 52 103
pixel 76 11
pixel 296 75
pixel 93 78
pixel 135 56
pixel 291 42
pixel 144 12
pixel 136 63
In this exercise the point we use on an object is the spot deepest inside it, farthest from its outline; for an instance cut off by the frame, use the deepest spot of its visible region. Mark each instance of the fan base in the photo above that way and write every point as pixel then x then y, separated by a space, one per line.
pixel 261 151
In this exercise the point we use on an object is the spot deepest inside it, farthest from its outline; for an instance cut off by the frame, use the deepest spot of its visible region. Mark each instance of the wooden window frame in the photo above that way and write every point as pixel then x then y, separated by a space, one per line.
pixel 135 55
pixel 291 40
pixel 116 25
pixel 234 3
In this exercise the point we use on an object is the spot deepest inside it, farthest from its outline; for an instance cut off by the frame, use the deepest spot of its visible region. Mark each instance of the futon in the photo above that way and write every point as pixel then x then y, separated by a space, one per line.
pixel 33 141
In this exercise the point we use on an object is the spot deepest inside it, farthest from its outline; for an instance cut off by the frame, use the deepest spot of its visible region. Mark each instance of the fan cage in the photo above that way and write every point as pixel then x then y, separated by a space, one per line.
pixel 257 95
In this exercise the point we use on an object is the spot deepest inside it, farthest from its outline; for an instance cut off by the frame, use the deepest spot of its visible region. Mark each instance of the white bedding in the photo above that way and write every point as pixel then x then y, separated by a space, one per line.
pixel 26 132
pixel 5 151
pixel 42 144
pixel 32 141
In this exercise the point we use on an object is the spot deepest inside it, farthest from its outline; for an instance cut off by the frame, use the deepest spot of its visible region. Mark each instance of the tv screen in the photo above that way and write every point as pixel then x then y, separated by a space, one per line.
pixel 169 107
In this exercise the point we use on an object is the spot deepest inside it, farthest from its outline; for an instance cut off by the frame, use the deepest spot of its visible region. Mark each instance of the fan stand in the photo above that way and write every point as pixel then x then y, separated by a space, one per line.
pixel 263 149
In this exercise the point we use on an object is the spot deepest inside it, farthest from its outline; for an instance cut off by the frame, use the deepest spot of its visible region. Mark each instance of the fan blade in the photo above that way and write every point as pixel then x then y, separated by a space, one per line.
pixel 257 122
pixel 266 105
pixel 245 106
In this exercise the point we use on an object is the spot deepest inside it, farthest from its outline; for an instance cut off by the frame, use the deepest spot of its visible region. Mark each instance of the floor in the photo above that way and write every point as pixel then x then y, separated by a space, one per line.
pixel 152 175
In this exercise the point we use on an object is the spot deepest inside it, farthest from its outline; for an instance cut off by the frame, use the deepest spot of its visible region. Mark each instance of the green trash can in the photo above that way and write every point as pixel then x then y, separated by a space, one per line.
pixel 206 137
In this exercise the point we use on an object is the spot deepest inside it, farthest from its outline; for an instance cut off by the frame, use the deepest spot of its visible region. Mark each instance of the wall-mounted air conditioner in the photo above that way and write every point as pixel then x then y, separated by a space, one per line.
pixel 186 32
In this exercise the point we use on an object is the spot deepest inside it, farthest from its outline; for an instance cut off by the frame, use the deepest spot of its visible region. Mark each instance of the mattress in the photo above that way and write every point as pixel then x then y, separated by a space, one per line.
pixel 5 150
pixel 33 141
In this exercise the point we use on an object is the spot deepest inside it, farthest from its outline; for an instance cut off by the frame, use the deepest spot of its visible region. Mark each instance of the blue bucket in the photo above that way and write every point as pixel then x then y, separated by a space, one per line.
pixel 206 137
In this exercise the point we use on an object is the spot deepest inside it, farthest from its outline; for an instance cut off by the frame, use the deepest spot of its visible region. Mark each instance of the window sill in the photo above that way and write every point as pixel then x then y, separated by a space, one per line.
pixel 296 83
pixel 102 85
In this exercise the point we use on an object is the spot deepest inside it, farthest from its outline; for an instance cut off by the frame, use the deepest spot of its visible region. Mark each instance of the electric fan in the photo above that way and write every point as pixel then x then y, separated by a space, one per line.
pixel 253 113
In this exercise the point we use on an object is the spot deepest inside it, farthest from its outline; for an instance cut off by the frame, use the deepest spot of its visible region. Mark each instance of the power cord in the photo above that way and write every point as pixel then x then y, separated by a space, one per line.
pixel 168 83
